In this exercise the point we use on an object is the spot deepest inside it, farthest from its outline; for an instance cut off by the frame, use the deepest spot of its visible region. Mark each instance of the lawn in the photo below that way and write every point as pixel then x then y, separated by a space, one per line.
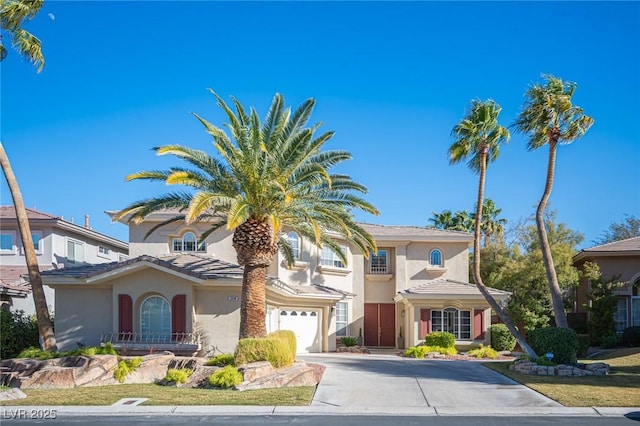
pixel 164 395
pixel 620 389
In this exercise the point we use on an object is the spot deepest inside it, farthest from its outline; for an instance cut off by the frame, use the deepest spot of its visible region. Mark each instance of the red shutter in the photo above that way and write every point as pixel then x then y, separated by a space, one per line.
pixel 178 316
pixel 425 322
pixel 478 324
pixel 125 317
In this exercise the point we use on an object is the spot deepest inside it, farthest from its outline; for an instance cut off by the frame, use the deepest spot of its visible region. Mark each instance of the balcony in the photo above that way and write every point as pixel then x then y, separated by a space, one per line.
pixel 378 273
pixel 132 343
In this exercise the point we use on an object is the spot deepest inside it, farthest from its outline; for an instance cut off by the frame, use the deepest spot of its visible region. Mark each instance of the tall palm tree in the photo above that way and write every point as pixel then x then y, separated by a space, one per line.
pixel 491 225
pixel 12 14
pixel 477 139
pixel 442 220
pixel 268 175
pixel 549 118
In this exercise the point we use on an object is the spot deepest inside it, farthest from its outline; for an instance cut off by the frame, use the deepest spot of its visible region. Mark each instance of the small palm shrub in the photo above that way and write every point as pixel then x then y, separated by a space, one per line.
pixel 275 350
pixel 501 338
pixel 349 341
pixel 483 352
pixel 631 336
pixel 178 375
pixel 226 377
pixel 440 338
pixel 221 360
pixel 126 367
pixel 562 342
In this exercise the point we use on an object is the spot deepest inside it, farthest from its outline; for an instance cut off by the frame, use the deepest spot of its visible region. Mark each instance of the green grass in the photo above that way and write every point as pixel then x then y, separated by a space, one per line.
pixel 164 395
pixel 621 388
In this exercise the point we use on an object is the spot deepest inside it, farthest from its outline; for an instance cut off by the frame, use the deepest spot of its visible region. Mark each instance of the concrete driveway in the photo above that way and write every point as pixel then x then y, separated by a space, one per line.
pixel 386 381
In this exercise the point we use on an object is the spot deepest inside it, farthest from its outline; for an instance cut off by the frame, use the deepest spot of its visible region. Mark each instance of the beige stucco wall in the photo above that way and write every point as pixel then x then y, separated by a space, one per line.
pixel 218 317
pixel 455 257
pixel 82 315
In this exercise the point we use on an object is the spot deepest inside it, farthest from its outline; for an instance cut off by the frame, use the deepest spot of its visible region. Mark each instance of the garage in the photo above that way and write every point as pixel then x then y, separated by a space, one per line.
pixel 305 324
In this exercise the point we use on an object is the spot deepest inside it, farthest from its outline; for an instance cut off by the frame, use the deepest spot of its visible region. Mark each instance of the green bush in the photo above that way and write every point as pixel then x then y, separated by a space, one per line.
pixel 37 353
pixel 483 352
pixel 421 351
pixel 221 360
pixel 631 336
pixel 608 341
pixel 290 339
pixel 106 349
pixel 225 377
pixel 275 350
pixel 126 367
pixel 349 341
pixel 543 360
pixel 562 342
pixel 440 338
pixel 17 332
pixel 178 375
pixel 583 345
pixel 501 338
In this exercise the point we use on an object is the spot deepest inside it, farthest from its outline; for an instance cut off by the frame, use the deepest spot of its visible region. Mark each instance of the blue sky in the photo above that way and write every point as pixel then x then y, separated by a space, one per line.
pixel 391 79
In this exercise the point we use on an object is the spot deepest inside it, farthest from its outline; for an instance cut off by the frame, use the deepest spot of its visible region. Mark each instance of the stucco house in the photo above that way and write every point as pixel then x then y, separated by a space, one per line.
pixel 173 294
pixel 58 243
pixel 618 258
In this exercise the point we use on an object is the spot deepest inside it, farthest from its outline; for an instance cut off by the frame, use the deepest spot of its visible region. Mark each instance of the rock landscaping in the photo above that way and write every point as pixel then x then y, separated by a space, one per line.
pixel 526 366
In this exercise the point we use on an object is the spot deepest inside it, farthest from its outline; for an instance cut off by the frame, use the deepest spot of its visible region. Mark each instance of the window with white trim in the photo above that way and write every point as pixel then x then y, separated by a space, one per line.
pixel 621 315
pixel 378 263
pixel 155 319
pixel 7 242
pixel 75 251
pixel 329 258
pixel 452 320
pixel 435 257
pixel 36 237
pixel 294 241
pixel 341 318
pixel 188 242
pixel 104 251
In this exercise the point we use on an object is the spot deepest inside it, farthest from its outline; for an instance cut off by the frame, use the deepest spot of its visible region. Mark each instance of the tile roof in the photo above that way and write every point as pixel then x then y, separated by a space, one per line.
pixel 199 266
pixel 444 286
pixel 309 289
pixel 630 244
pixel 9 212
pixel 410 231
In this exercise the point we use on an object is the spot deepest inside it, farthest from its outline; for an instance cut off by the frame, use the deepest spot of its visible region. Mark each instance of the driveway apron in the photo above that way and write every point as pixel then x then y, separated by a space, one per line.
pixel 388 381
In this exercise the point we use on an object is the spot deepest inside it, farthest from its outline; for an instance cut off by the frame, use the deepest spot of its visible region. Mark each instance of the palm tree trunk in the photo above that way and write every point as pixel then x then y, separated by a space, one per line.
pixel 45 327
pixel 476 263
pixel 253 305
pixel 554 286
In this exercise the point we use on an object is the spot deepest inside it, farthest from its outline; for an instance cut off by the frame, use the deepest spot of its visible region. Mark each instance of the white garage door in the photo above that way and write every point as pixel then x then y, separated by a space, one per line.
pixel 304 323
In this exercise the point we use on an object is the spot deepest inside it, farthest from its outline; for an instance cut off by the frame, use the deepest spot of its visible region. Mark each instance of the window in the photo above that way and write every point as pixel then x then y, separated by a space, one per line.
pixel 75 251
pixel 435 257
pixel 341 318
pixel 329 258
pixel 294 242
pixel 104 251
pixel 453 321
pixel 620 316
pixel 378 263
pixel 36 237
pixel 155 319
pixel 188 242
pixel 7 239
pixel 635 304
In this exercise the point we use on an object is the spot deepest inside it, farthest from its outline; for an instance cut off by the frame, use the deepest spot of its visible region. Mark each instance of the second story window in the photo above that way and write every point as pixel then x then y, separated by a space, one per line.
pixel 188 242
pixel 329 258
pixel 36 237
pixel 294 242
pixel 7 240
pixel 435 257
pixel 103 251
pixel 75 251
pixel 378 263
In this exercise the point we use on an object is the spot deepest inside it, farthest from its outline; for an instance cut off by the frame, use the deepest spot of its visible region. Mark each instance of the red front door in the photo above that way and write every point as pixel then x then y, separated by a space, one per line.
pixel 379 324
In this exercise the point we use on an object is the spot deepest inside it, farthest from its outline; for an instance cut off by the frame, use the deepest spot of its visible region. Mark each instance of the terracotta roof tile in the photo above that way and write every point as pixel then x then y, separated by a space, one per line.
pixel 443 286
pixel 9 212
pixel 630 244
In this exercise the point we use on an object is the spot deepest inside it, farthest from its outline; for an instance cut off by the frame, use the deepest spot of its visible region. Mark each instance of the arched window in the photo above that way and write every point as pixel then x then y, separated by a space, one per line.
pixel 435 257
pixel 188 242
pixel 452 320
pixel 155 319
pixel 294 242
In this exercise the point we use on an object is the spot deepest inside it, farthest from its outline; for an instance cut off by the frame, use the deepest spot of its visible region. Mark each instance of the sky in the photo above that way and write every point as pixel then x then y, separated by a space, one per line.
pixel 390 78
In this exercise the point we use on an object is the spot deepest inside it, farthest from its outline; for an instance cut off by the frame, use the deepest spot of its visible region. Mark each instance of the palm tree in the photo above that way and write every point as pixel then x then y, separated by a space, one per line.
pixel 12 13
pixel 442 220
pixel 269 175
pixel 550 118
pixel 477 139
pixel 491 224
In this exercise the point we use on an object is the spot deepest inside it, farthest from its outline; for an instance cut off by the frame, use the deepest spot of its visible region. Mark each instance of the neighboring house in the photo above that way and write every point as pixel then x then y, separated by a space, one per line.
pixel 174 294
pixel 618 258
pixel 58 244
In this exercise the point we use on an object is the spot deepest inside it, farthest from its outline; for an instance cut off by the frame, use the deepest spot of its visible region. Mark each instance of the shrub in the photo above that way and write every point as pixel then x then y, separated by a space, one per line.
pixel 631 336
pixel 17 332
pixel 349 341
pixel 126 367
pixel 440 338
pixel 178 375
pixel 274 350
pixel 583 345
pixel 221 360
pixel 225 377
pixel 562 342
pixel 501 338
pixel 290 339
pixel 107 349
pixel 37 353
pixel 422 351
pixel 483 352
pixel 608 341
pixel 543 360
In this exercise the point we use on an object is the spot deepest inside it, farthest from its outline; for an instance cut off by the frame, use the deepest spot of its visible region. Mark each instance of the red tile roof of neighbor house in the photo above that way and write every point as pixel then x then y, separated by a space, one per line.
pixel 9 212
pixel 11 278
